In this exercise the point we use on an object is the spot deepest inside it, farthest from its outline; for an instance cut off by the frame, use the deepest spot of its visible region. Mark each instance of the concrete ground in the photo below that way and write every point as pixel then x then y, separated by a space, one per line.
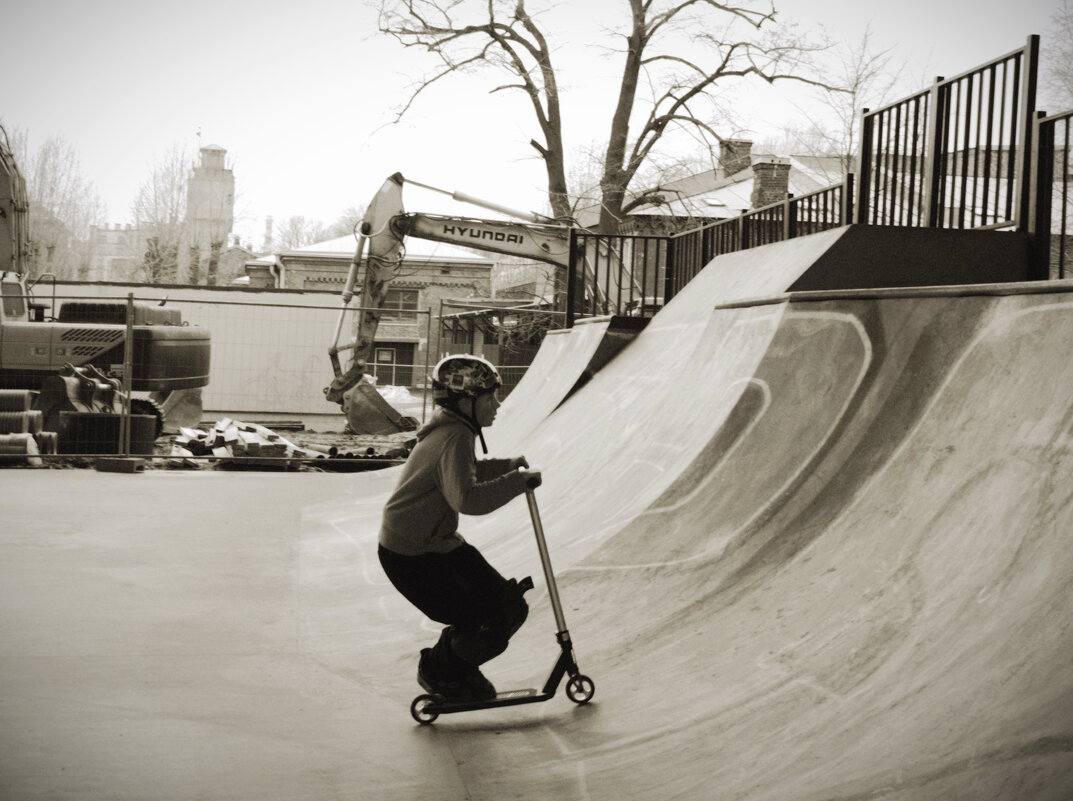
pixel 810 548
pixel 159 642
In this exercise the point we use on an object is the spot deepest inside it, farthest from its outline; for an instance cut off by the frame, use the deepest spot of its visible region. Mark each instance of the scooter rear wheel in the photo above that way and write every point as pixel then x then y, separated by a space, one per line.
pixel 419 709
pixel 580 689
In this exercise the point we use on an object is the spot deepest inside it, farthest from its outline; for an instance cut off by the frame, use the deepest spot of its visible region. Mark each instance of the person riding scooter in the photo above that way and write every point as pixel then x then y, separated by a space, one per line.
pixel 420 548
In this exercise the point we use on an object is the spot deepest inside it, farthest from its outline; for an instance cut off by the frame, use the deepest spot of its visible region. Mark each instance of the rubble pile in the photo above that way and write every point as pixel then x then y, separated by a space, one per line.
pixel 230 439
pixel 233 443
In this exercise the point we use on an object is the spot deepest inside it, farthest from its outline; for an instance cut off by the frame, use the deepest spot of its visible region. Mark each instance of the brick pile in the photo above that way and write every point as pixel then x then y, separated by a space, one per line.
pixel 232 439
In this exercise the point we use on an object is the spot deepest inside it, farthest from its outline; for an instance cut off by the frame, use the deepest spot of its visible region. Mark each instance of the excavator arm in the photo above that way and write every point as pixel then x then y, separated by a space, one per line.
pixel 385 227
pixel 383 230
pixel 14 211
pixel 550 243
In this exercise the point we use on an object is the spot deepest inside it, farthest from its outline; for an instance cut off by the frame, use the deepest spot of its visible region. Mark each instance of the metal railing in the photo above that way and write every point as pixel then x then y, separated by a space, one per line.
pixel 970 152
pixel 619 274
pixel 955 155
pixel 1051 215
pixel 690 251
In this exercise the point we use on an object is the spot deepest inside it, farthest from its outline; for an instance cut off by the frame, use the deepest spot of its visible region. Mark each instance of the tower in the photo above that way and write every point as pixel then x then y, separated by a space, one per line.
pixel 210 211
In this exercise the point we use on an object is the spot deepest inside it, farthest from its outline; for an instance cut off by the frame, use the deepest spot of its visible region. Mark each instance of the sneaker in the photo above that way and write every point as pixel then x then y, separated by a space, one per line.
pixel 477 686
pixel 471 686
pixel 427 676
pixel 438 683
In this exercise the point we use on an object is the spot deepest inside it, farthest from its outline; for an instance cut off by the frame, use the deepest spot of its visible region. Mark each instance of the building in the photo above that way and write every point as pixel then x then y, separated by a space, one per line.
pixel 195 249
pixel 233 262
pixel 431 276
pixel 210 215
pixel 742 181
pixel 114 252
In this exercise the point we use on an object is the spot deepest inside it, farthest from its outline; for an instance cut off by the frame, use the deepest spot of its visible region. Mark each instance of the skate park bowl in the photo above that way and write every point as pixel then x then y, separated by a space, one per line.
pixel 810 546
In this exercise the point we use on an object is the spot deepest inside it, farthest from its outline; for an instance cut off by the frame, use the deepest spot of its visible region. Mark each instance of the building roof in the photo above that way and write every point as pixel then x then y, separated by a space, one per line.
pixel 714 194
pixel 823 170
pixel 711 194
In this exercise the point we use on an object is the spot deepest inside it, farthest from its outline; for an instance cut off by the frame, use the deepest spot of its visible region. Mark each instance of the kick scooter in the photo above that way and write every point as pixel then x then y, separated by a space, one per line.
pixel 579 689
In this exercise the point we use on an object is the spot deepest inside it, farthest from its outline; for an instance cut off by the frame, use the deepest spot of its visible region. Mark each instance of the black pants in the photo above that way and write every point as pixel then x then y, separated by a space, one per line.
pixel 481 609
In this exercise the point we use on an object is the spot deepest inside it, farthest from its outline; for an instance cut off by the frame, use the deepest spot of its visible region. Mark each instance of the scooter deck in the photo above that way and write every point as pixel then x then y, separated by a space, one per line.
pixel 442 706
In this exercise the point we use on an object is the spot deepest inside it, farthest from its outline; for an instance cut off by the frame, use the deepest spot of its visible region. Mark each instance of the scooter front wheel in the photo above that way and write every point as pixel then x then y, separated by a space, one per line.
pixel 580 689
pixel 419 709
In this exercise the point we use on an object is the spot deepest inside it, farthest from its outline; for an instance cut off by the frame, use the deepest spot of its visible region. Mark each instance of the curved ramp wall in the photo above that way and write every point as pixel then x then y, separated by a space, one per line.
pixel 832 564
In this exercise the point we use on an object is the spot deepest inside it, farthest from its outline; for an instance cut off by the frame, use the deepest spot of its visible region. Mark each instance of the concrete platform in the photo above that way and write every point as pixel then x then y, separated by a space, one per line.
pixel 810 549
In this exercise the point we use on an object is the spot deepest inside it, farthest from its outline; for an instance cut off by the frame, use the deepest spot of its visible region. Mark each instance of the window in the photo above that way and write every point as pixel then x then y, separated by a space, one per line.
pixel 394 365
pixel 398 302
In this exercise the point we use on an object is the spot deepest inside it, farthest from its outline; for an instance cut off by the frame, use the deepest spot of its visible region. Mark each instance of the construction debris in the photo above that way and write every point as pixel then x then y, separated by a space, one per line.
pixel 235 444
pixel 230 439
pixel 20 449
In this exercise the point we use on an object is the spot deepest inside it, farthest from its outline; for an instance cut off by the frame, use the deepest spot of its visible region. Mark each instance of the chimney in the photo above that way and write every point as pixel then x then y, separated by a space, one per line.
pixel 267 245
pixel 771 181
pixel 735 155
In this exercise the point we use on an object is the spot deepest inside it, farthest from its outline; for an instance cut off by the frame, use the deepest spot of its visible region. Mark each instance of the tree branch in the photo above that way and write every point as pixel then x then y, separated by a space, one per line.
pixel 681 48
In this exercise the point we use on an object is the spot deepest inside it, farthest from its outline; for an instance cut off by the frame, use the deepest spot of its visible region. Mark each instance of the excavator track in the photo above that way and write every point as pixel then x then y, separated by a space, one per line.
pixel 149 406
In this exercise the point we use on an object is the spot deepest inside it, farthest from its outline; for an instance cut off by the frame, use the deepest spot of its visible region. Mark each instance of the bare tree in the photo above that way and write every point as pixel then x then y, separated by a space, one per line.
pixel 674 55
pixel 63 206
pixel 1058 57
pixel 159 209
pixel 583 176
pixel 865 78
pixel 345 223
pixel 297 232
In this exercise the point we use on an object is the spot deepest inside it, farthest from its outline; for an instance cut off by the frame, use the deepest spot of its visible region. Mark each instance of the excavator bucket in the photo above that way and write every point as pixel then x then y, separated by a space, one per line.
pixel 181 408
pixel 368 413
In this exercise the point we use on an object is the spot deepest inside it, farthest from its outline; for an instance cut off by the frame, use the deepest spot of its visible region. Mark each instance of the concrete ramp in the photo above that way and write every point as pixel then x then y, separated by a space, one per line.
pixel 870 256
pixel 853 256
pixel 567 359
pixel 812 548
pixel 858 588
pixel 848 576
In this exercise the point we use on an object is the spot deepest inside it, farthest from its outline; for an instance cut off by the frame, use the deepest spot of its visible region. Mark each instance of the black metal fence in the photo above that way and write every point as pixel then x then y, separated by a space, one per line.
pixel 1051 214
pixel 690 251
pixel 955 155
pixel 618 274
pixel 969 152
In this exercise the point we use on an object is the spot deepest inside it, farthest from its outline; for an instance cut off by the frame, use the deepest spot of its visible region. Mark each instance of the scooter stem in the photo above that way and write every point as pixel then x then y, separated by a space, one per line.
pixel 545 561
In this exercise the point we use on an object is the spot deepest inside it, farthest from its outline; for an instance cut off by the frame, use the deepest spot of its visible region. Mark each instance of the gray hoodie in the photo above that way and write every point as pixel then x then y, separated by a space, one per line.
pixel 440 480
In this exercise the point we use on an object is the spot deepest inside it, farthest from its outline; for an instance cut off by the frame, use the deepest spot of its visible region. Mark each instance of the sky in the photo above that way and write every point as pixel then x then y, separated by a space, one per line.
pixel 303 96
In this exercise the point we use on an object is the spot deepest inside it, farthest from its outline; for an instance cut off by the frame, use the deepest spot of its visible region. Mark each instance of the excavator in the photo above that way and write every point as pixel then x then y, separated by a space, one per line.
pixel 63 361
pixel 382 233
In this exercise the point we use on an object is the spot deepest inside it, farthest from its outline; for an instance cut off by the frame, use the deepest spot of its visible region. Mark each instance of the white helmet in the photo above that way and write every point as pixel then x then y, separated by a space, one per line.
pixel 463 375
